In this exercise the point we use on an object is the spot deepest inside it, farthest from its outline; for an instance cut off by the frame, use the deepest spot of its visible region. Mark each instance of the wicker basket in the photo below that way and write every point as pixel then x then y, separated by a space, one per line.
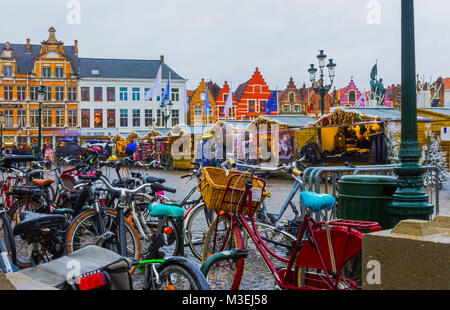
pixel 214 187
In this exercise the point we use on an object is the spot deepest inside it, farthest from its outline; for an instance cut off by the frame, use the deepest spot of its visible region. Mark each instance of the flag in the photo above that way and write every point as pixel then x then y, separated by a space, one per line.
pixel 156 88
pixel 360 102
pixel 229 103
pixel 166 95
pixel 271 105
pixel 207 99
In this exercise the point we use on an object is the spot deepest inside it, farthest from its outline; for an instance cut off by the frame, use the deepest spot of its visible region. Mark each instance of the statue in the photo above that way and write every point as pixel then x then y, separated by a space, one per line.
pixel 377 90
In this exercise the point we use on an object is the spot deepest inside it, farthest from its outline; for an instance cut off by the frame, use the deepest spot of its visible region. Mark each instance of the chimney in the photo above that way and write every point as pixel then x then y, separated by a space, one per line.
pixel 75 47
pixel 28 46
pixel 162 59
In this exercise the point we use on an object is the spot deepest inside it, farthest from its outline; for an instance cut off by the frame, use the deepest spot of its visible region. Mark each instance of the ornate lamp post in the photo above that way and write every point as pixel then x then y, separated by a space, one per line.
pixel 409 201
pixel 2 121
pixel 319 87
pixel 167 111
pixel 41 96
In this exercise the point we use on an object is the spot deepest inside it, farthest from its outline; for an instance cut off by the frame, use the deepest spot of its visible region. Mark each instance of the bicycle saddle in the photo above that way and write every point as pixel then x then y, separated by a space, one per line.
pixel 154 180
pixel 31 222
pixel 43 183
pixel 317 202
pixel 161 210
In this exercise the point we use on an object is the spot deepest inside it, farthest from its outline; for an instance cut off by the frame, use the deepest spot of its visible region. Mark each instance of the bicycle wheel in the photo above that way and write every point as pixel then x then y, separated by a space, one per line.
pixel 180 274
pixel 23 248
pixel 197 224
pixel 7 237
pixel 84 230
pixel 223 236
pixel 279 241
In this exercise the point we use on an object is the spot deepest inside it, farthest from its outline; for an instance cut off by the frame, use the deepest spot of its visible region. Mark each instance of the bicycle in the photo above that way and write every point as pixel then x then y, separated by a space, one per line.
pixel 318 255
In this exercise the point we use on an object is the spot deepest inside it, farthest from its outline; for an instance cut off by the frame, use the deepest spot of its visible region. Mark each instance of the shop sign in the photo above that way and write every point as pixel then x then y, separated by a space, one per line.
pixel 11 106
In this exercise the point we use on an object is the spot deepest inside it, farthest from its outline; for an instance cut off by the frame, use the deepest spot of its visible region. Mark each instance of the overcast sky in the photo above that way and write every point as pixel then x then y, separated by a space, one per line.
pixel 224 40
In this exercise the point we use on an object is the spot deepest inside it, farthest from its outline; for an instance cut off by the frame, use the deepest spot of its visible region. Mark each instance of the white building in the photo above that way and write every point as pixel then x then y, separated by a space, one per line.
pixel 112 92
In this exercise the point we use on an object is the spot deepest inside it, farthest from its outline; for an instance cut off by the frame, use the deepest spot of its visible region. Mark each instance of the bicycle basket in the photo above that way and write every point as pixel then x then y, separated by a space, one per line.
pixel 217 195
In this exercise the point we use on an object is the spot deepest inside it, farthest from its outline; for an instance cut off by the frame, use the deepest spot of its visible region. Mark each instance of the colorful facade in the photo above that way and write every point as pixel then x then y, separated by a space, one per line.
pixel 349 96
pixel 197 115
pixel 221 101
pixel 251 98
pixel 291 101
pixel 24 68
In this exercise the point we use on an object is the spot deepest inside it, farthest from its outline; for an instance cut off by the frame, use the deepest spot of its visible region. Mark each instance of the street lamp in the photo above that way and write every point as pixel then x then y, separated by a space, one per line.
pixel 409 200
pixel 167 110
pixel 2 121
pixel 319 87
pixel 41 96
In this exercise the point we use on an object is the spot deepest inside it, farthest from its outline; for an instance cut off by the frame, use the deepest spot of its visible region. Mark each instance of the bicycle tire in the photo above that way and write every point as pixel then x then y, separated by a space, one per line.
pixel 23 249
pixel 83 220
pixel 279 241
pixel 195 237
pixel 8 237
pixel 224 275
pixel 171 271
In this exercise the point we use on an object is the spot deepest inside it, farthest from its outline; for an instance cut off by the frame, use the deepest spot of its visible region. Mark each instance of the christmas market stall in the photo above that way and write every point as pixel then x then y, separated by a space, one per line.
pixel 147 147
pixel 183 146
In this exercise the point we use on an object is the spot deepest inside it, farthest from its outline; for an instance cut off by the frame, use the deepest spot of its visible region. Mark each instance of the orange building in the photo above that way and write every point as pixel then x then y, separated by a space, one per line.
pixel 197 113
pixel 24 67
pixel 252 97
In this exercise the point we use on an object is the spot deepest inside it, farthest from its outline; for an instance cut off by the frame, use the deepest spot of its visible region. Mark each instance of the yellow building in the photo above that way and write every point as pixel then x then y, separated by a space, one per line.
pixel 197 115
pixel 24 67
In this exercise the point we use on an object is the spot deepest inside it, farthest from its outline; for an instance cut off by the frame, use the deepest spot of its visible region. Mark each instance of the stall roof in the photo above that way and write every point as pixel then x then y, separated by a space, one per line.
pixel 293 121
pixel 443 111
pixel 386 114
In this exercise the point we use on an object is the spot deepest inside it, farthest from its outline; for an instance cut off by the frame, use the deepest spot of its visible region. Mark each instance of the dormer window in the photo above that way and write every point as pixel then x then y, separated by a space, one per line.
pixel 291 97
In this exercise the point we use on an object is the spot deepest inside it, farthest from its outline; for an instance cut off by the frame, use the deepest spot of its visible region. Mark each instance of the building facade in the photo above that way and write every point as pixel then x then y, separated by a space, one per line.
pixel 24 68
pixel 291 101
pixel 221 102
pixel 197 115
pixel 112 92
pixel 252 97
pixel 349 95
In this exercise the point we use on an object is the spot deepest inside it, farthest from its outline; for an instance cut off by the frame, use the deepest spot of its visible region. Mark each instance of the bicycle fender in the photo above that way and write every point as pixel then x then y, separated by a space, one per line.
pixel 181 261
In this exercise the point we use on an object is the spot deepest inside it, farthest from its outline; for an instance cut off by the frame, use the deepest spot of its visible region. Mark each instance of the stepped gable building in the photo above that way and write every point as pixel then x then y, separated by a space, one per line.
pixel 221 101
pixel 349 95
pixel 197 114
pixel 291 101
pixel 312 102
pixel 112 93
pixel 23 68
pixel 252 97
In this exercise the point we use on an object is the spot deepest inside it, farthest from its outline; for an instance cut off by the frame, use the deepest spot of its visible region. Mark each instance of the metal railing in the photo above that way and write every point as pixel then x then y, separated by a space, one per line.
pixel 324 180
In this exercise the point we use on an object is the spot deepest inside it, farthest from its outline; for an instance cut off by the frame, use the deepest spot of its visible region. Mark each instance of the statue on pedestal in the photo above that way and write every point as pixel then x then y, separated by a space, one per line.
pixel 377 90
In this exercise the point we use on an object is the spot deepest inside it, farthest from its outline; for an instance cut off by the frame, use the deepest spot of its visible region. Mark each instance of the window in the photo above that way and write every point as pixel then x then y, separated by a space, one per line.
pixel 146 90
pixel 257 89
pixel 98 118
pixel 22 118
pixel 123 118
pixel 136 94
pixel 72 118
pixel 59 118
pixel 286 108
pixel 33 93
pixel 159 119
pixel 111 94
pixel 222 111
pixel 123 94
pixel 291 97
pixel 34 118
pixel 48 94
pixel 46 72
pixel 72 93
pixel 262 106
pixel 59 93
pixel 59 72
pixel 198 111
pixel 202 96
pixel 111 118
pixel 85 93
pixel 136 118
pixel 47 118
pixel 148 117
pixel 9 118
pixel 21 93
pixel 8 92
pixel 175 117
pixel 175 94
pixel 98 94
pixel 352 96
pixel 85 118
pixel 251 106
pixel 7 71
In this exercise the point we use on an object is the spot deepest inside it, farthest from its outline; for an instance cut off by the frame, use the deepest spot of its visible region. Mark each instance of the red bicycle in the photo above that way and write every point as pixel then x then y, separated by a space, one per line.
pixel 322 256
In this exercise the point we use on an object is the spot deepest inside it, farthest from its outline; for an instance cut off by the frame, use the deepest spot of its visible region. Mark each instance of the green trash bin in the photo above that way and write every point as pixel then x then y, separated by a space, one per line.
pixel 365 198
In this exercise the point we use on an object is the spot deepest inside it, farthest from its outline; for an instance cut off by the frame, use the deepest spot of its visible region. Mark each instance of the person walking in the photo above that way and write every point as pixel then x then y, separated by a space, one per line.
pixel 49 157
